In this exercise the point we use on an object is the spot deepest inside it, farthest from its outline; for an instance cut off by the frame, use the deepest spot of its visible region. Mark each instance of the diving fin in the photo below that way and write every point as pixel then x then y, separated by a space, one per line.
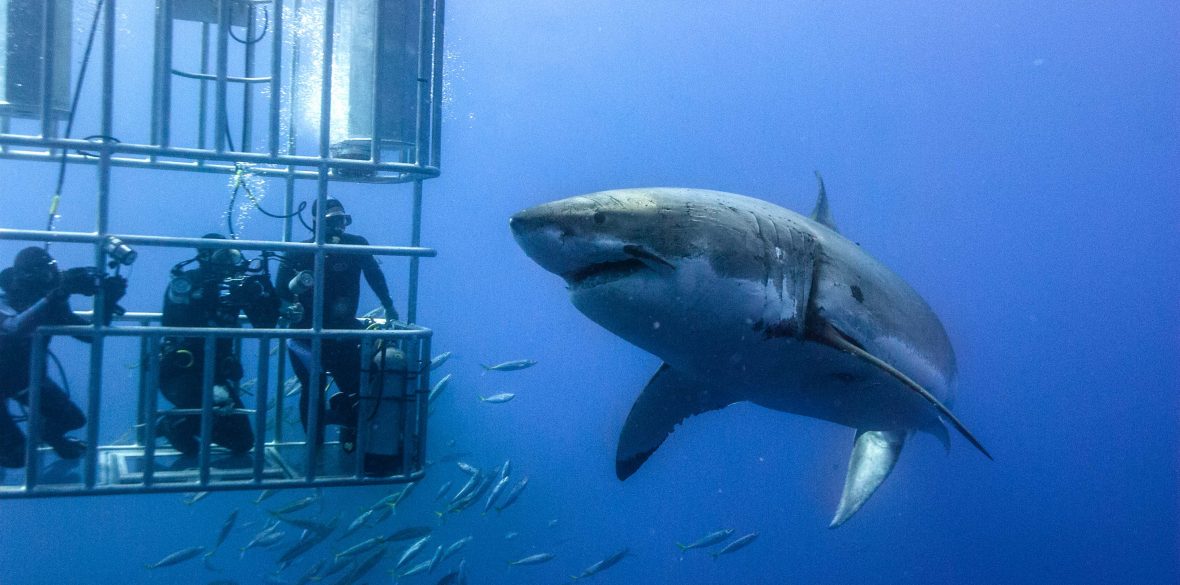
pixel 873 456
pixel 837 339
pixel 665 402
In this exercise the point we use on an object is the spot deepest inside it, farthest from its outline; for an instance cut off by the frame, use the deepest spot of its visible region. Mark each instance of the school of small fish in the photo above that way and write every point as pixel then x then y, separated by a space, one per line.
pixel 341 543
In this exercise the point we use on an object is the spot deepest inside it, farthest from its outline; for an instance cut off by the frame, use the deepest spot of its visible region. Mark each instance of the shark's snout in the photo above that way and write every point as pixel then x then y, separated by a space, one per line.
pixel 572 238
pixel 545 233
pixel 528 221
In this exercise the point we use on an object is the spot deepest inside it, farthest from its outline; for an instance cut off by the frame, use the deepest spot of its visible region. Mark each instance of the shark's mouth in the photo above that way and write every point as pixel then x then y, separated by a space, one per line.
pixel 601 273
pixel 604 272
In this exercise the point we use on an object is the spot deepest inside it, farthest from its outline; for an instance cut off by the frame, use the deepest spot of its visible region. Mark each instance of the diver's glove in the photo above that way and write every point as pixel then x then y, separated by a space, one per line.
pixel 114 287
pixel 222 399
pixel 390 312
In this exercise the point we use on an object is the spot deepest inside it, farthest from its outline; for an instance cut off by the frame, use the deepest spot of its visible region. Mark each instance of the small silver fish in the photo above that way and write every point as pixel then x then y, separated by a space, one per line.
pixel 456 547
pixel 602 565
pixel 309 525
pixel 510 366
pixel 467 468
pixel 468 487
pixel 438 387
pixel 708 539
pixel 442 491
pixel 440 359
pixel 360 547
pixel 295 506
pixel 513 494
pixel 411 551
pixel 357 523
pixel 436 559
pixel 737 544
pixel 511 535
pixel 533 559
pixel 291 386
pixel 498 398
pixel 309 540
pixel 194 497
pixel 264 539
pixel 422 567
pixel 264 495
pixel 475 495
pixel 363 567
pixel 178 557
pixel 247 387
pixel 495 493
pixel 382 515
pixel 226 528
pixel 402 495
pixel 408 533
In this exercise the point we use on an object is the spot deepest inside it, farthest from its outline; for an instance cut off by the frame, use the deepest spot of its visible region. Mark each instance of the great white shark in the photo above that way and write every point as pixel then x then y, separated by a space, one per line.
pixel 744 300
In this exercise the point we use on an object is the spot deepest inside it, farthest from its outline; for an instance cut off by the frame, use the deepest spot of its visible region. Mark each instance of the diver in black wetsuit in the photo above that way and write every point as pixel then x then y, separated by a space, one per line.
pixel 211 295
pixel 35 293
pixel 342 288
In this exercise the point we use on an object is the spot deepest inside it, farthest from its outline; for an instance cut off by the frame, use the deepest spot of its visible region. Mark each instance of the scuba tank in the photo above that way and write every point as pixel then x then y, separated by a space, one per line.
pixel 383 407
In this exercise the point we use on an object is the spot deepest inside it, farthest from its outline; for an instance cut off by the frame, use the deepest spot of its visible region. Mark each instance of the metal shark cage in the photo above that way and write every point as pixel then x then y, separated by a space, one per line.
pixel 378 66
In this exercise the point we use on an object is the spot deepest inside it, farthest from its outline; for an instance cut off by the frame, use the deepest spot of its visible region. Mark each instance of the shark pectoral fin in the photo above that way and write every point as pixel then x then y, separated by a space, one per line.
pixel 838 340
pixel 665 401
pixel 873 456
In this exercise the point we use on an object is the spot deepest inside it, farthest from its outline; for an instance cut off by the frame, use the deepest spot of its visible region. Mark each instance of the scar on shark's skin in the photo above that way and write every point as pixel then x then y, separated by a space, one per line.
pixel 709 267
pixel 857 294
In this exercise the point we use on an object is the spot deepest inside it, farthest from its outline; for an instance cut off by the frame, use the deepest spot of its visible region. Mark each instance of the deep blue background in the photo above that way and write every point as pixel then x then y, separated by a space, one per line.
pixel 1015 162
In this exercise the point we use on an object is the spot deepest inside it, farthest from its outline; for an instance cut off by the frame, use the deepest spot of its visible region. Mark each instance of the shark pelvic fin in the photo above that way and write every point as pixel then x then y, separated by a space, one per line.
pixel 665 402
pixel 837 339
pixel 873 456
pixel 821 213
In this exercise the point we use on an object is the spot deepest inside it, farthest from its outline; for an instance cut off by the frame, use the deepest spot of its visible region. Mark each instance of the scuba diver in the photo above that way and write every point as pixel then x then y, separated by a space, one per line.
pixel 342 288
pixel 36 293
pixel 214 294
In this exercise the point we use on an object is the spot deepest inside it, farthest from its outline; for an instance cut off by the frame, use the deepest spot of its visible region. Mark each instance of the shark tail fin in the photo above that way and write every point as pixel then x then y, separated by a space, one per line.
pixel 873 455
pixel 837 339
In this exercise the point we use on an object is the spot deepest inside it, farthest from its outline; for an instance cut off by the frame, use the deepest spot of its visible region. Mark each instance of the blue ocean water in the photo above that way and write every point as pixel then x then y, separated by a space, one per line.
pixel 1015 162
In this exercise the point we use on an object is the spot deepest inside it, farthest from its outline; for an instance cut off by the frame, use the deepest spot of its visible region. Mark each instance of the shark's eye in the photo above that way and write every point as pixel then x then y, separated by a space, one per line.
pixel 599 217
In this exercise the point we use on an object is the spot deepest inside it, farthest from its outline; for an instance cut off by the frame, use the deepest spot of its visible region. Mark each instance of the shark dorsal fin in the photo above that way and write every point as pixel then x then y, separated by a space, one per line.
pixel 821 213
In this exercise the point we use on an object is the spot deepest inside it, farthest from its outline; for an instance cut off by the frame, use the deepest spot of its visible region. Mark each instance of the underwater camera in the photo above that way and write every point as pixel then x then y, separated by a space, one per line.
pixel 120 253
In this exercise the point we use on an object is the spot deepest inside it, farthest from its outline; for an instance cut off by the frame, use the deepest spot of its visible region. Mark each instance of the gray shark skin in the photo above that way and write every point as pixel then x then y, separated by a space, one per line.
pixel 747 301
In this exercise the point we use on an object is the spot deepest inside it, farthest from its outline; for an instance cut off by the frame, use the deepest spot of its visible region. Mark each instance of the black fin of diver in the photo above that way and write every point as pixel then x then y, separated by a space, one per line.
pixel 833 336
pixel 821 213
pixel 665 402
pixel 873 455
